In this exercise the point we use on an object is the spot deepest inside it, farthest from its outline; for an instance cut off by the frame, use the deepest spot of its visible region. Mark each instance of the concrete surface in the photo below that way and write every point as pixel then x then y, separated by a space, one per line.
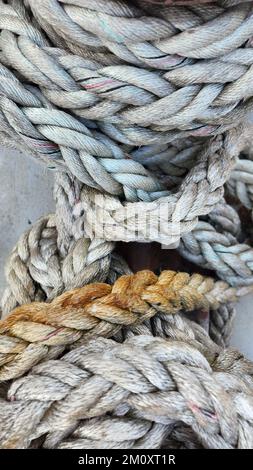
pixel 26 188
pixel 26 195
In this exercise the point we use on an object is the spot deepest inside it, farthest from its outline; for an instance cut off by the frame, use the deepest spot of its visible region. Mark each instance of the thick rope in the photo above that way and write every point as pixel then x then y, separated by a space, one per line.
pixel 27 284
pixel 54 256
pixel 203 178
pixel 35 272
pixel 124 95
pixel 69 265
pixel 111 172
pixel 211 92
pixel 147 107
pixel 211 244
pixel 221 324
pixel 38 330
pixel 146 384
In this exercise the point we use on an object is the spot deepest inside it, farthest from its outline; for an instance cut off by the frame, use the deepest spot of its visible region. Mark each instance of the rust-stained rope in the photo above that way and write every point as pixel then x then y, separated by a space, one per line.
pixel 38 330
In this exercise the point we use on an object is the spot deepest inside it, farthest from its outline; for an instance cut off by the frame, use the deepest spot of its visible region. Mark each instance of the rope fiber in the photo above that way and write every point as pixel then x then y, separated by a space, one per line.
pixel 144 111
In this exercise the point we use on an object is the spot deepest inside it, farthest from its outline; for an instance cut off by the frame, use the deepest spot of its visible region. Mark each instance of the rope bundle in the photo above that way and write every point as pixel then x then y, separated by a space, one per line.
pixel 97 392
pixel 144 108
pixel 91 156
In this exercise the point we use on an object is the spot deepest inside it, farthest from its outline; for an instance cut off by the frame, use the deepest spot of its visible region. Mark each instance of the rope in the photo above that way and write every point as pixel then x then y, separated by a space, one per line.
pixel 32 332
pixel 147 384
pixel 212 244
pixel 143 109
pixel 27 284
pixel 206 177
pixel 111 172
pixel 54 256
pixel 221 324
pixel 202 96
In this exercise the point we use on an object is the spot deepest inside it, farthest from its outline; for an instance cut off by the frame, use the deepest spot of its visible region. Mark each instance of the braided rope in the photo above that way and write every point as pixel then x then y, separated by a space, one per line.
pixel 202 178
pixel 150 106
pixel 111 172
pixel 211 244
pixel 211 92
pixel 146 384
pixel 34 331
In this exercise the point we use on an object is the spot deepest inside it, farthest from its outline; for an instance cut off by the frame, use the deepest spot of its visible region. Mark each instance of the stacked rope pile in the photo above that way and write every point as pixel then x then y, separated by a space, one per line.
pixel 144 109
pixel 151 385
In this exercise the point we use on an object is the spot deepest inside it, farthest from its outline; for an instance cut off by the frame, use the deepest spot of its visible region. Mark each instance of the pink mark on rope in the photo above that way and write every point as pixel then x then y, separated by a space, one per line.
pixel 98 85
pixel 53 333
pixel 203 131
pixel 196 409
pixel 46 145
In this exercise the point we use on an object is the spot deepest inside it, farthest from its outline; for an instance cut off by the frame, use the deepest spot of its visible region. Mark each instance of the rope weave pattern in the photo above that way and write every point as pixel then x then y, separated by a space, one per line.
pixel 139 106
pixel 146 384
pixel 79 146
pixel 41 329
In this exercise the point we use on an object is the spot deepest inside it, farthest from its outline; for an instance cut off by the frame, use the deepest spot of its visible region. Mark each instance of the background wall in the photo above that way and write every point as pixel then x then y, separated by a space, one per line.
pixel 26 189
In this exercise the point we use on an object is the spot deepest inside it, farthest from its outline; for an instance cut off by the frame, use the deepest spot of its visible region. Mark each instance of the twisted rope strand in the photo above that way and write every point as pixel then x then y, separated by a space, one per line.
pixel 33 331
pixel 126 96
pixel 210 91
pixel 126 28
pixel 138 182
pixel 171 378
pixel 211 244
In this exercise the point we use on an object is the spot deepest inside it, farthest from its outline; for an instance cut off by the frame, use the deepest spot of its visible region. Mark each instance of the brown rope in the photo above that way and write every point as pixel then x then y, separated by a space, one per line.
pixel 38 330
